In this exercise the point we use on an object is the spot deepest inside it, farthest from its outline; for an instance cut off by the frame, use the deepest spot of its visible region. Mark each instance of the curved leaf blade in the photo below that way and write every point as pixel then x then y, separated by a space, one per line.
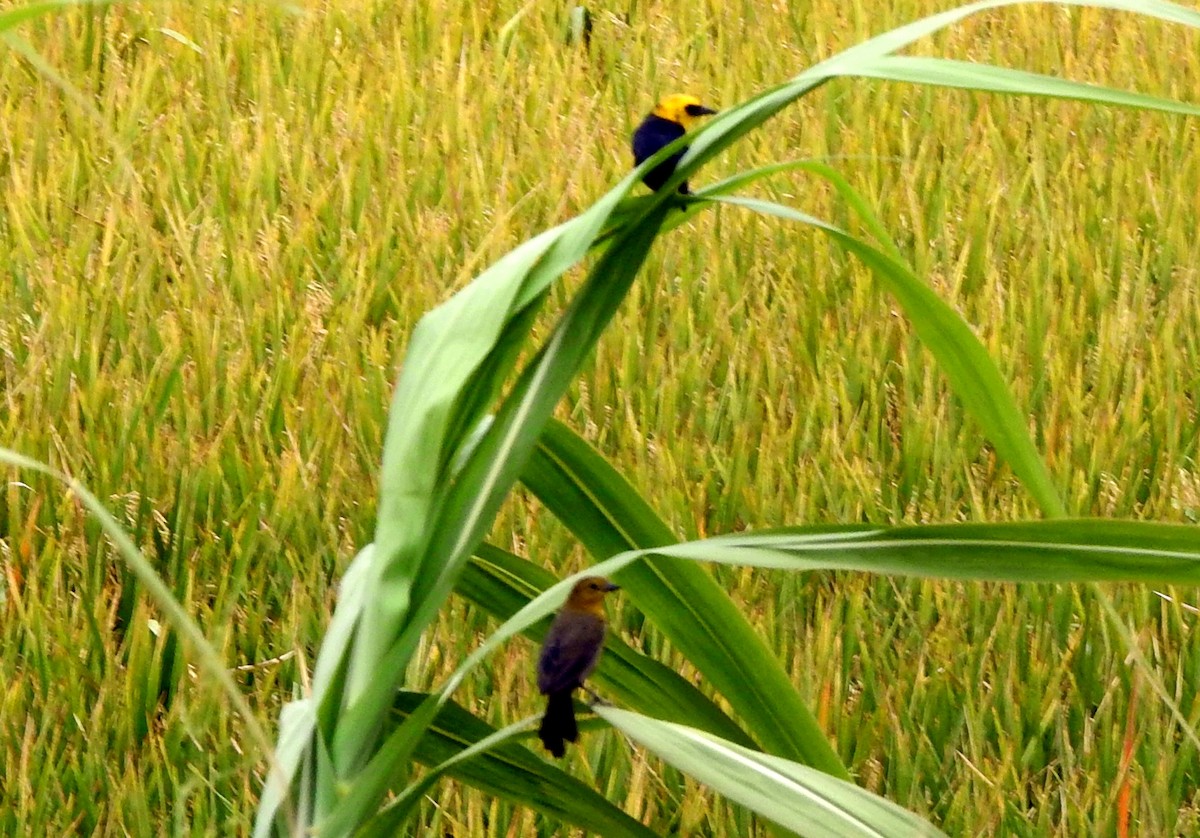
pixel 945 72
pixel 973 375
pixel 609 517
pixel 802 799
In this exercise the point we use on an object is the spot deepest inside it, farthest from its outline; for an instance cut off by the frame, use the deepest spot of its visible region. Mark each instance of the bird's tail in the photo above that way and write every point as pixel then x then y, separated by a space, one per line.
pixel 558 725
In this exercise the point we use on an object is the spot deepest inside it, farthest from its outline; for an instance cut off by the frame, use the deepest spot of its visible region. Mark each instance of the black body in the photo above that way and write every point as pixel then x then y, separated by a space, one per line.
pixel 654 133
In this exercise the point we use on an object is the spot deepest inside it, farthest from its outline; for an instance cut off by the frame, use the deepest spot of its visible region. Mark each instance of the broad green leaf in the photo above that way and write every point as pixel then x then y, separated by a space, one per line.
pixel 491 468
pixel 331 661
pixel 508 770
pixel 802 799
pixel 695 613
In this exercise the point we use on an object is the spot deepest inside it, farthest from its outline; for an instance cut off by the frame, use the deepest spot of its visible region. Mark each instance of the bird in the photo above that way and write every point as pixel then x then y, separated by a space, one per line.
pixel 570 652
pixel 671 118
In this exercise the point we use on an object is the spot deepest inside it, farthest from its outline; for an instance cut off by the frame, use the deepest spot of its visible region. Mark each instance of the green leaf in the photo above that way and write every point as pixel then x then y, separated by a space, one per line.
pixel 331 660
pixel 695 613
pixel 973 375
pixel 491 467
pixel 871 59
pixel 297 725
pixel 14 17
pixel 848 61
pixel 388 766
pixel 468 749
pixel 802 799
pixel 944 72
pixel 1060 550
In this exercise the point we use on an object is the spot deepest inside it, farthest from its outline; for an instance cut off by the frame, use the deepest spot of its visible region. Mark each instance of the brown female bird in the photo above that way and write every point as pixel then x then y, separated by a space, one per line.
pixel 569 654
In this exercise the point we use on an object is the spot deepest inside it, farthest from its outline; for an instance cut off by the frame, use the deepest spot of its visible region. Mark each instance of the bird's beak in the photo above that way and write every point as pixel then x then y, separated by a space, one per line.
pixel 611 587
pixel 706 111
pixel 698 110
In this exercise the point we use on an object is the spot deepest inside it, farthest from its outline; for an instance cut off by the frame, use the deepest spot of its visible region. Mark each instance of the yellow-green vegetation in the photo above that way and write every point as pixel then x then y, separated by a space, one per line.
pixel 210 287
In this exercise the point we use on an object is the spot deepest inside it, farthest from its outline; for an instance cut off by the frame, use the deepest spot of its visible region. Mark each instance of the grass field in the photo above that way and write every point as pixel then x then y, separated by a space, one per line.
pixel 210 287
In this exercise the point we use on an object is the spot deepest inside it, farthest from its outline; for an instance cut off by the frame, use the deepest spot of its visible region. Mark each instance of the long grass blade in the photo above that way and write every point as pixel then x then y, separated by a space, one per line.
pixel 802 799
pixel 608 516
pixel 973 375
pixel 181 621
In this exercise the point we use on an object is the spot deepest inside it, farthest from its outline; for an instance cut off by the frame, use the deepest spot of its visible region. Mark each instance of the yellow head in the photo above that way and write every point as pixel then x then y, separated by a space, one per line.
pixel 588 595
pixel 681 108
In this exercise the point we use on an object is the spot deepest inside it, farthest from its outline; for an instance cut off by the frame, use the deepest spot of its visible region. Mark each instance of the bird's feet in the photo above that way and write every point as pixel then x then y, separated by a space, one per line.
pixel 596 699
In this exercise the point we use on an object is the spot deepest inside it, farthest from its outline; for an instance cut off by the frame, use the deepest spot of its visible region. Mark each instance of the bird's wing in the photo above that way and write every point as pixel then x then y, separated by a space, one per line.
pixel 652 135
pixel 570 652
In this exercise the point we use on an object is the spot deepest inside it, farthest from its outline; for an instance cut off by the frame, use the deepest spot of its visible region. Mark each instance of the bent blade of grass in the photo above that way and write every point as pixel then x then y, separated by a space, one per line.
pixel 23 48
pixel 799 798
pixel 846 61
pixel 944 72
pixel 871 59
pixel 606 513
pixel 180 620
pixel 972 374
pixel 1135 652
pixel 1058 550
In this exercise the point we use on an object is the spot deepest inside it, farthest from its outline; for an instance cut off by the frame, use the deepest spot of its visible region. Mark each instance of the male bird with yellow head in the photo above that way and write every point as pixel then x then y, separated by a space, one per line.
pixel 671 118
pixel 569 654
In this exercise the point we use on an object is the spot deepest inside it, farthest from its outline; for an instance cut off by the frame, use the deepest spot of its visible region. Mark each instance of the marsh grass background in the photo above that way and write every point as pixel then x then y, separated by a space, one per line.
pixel 208 338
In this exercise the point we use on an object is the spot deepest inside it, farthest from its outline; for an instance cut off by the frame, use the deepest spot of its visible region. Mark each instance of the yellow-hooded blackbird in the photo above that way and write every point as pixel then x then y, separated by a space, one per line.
pixel 671 118
pixel 569 654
